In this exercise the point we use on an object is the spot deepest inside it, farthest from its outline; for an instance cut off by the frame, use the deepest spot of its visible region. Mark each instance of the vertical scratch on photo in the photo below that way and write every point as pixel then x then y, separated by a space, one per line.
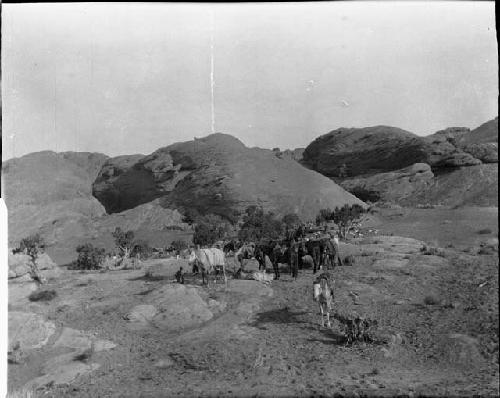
pixel 212 79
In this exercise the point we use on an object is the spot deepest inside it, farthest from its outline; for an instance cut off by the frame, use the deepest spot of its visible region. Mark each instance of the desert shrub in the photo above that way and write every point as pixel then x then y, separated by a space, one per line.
pixel 484 231
pixel 172 228
pixel 291 220
pixel 210 229
pixel 124 241
pixel 349 260
pixel 486 250
pixel 89 257
pixel 42 295
pixel 432 251
pixel 430 300
pixel 32 245
pixel 258 225
pixel 343 217
pixel 142 249
pixel 179 245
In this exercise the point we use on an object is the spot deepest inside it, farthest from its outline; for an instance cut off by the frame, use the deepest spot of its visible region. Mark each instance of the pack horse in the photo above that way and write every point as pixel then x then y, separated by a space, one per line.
pixel 323 295
pixel 209 260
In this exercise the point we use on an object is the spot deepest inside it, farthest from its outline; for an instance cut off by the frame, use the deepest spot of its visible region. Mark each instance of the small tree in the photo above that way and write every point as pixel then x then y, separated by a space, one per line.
pixel 324 216
pixel 345 216
pixel 124 241
pixel 258 225
pixel 141 248
pixel 179 245
pixel 33 245
pixel 209 229
pixel 291 220
pixel 89 257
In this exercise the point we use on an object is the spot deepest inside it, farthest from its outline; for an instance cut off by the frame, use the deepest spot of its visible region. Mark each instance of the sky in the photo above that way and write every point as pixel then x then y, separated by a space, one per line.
pixel 126 78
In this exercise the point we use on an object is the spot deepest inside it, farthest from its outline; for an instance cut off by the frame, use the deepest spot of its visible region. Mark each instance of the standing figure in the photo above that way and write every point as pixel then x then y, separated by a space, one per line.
pixel 276 257
pixel 294 259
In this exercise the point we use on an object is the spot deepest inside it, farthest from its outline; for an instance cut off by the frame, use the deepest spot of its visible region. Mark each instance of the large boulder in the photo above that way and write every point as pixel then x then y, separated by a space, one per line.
pixel 174 307
pixel 20 265
pixel 29 330
pixel 358 151
pixel 217 174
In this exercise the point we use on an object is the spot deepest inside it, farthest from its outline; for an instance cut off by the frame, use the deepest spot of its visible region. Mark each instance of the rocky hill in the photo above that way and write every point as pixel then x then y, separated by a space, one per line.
pixel 216 174
pixel 49 188
pixel 59 194
pixel 455 166
pixel 51 193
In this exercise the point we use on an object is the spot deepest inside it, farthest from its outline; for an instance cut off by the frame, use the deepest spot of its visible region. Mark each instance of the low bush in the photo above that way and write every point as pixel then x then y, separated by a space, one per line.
pixel 89 257
pixel 430 300
pixel 42 295
pixel 484 231
pixel 349 261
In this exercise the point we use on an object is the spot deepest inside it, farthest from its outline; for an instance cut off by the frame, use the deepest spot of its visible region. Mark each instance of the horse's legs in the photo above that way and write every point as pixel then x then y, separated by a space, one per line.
pixel 224 273
pixel 321 314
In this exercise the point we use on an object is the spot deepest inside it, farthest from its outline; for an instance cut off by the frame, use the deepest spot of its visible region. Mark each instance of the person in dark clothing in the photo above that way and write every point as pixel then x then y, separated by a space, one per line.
pixel 179 276
pixel 294 259
pixel 316 255
pixel 260 257
pixel 276 256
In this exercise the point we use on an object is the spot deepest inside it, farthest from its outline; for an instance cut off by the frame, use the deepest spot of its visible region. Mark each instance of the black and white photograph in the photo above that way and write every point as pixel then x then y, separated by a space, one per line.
pixel 288 199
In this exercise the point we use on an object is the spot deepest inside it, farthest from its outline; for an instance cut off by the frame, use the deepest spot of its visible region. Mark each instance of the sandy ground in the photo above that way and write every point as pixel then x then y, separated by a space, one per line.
pixel 437 331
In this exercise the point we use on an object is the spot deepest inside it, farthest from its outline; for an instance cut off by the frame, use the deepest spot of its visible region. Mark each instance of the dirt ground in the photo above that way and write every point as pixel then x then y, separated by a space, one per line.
pixel 436 332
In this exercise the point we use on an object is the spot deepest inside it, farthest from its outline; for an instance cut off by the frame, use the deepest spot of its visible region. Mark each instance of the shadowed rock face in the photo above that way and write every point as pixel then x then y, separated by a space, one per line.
pixel 216 174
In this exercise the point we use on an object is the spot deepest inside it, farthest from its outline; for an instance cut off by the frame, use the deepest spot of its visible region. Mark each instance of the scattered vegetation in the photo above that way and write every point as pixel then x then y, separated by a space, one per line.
pixel 431 300
pixel 291 220
pixel 33 246
pixel 258 225
pixel 349 260
pixel 432 251
pixel 16 356
pixel 179 245
pixel 142 249
pixel 485 231
pixel 210 229
pixel 343 217
pixel 89 257
pixel 42 295
pixel 124 241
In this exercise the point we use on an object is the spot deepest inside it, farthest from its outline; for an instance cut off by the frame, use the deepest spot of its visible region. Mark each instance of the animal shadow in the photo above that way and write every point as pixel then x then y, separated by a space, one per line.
pixel 278 316
pixel 332 337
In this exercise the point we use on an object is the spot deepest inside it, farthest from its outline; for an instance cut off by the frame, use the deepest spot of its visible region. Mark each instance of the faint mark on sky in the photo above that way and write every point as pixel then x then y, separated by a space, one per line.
pixel 212 78
pixel 310 85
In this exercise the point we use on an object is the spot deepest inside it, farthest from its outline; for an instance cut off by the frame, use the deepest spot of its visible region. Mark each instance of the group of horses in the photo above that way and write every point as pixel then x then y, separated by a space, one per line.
pixel 213 260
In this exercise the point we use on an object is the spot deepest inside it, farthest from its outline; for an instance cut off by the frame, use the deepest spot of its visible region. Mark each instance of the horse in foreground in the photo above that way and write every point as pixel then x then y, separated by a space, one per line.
pixel 209 260
pixel 323 294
